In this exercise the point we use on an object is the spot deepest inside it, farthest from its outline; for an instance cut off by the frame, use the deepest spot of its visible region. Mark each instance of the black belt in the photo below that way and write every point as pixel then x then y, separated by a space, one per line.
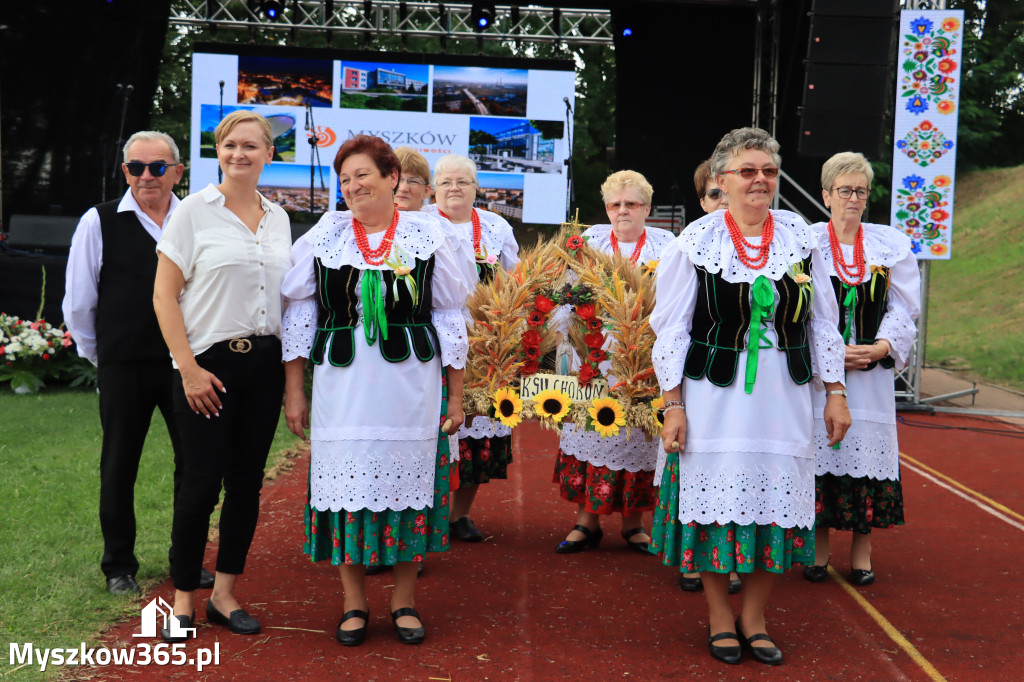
pixel 248 343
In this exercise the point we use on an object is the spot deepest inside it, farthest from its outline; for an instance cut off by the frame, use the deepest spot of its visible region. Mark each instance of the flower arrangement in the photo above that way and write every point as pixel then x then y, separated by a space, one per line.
pixel 31 351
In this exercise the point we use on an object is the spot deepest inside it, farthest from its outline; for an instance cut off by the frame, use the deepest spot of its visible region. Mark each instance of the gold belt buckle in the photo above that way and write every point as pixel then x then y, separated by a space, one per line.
pixel 240 345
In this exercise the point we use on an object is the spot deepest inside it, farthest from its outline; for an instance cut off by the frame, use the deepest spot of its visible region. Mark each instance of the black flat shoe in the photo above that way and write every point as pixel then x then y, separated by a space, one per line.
pixel 642 547
pixel 690 584
pixel 353 637
pixel 862 578
pixel 123 585
pixel 239 622
pixel 185 625
pixel 769 655
pixel 591 540
pixel 408 635
pixel 376 569
pixel 206 579
pixel 464 530
pixel 735 586
pixel 726 654
pixel 815 574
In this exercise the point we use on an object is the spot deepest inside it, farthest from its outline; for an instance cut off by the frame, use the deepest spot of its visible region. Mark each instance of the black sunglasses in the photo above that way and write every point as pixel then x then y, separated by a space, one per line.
pixel 713 194
pixel 137 168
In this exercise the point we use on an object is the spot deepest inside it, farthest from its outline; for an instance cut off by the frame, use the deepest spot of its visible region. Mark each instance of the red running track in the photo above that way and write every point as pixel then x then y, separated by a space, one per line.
pixel 947 602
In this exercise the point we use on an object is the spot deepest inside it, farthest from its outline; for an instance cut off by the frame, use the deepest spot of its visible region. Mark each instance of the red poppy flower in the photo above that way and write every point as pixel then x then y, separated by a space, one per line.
pixel 535 318
pixel 594 340
pixel 531 352
pixel 530 367
pixel 597 355
pixel 531 338
pixel 938 215
pixel 574 242
pixel 926 125
pixel 544 304
pixel 594 324
pixel 585 311
pixel 587 373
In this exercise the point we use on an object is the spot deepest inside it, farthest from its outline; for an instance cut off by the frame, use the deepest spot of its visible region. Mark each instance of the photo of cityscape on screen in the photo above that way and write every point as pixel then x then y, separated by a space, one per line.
pixel 282 127
pixel 385 86
pixel 500 193
pixel 288 186
pixel 284 81
pixel 480 91
pixel 516 145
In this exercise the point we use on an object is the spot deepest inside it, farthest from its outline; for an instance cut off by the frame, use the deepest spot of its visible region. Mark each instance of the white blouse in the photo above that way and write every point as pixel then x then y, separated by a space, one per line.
pixel 232 275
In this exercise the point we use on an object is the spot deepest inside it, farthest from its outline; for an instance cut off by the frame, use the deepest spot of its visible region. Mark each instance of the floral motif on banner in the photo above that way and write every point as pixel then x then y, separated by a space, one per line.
pixel 929 65
pixel 924 144
pixel 924 210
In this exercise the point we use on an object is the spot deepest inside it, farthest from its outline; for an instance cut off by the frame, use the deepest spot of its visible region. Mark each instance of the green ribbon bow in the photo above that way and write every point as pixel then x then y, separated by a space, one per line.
pixel 762 305
pixel 372 294
pixel 849 304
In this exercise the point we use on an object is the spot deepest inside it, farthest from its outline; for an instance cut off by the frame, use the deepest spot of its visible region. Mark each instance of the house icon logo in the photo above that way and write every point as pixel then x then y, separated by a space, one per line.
pixel 151 624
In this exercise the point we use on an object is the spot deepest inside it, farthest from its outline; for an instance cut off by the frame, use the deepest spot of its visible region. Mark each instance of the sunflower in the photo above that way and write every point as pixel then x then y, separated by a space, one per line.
pixel 656 406
pixel 607 415
pixel 507 407
pixel 552 404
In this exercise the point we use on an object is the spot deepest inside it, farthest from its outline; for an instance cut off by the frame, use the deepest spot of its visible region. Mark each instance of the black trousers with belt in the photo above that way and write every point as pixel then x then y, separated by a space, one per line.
pixel 230 451
pixel 129 392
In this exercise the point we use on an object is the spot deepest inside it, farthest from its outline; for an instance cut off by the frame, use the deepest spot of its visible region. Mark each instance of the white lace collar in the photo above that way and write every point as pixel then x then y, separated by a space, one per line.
pixel 493 228
pixel 334 242
pixel 600 238
pixel 883 245
pixel 708 244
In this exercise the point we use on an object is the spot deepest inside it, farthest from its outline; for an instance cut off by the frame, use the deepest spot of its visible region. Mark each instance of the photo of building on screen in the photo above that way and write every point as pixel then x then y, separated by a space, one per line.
pixel 285 82
pixel 282 127
pixel 384 86
pixel 500 193
pixel 479 91
pixel 288 186
pixel 516 145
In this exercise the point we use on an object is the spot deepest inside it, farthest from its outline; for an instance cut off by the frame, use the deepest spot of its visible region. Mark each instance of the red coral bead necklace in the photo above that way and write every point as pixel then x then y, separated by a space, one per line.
pixel 849 274
pixel 375 256
pixel 636 249
pixel 760 257
pixel 475 218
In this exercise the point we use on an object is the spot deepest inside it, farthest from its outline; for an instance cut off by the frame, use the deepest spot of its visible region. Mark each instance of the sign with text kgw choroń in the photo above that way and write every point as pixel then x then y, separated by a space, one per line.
pixel 535 384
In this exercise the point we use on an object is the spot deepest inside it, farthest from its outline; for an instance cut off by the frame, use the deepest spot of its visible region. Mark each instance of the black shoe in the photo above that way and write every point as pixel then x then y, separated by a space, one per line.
pixel 408 635
pixel 815 574
pixel 206 579
pixel 376 569
pixel 769 655
pixel 353 637
pixel 464 530
pixel 239 622
pixel 183 622
pixel 726 654
pixel 642 547
pixel 862 578
pixel 735 586
pixel 123 585
pixel 591 540
pixel 690 584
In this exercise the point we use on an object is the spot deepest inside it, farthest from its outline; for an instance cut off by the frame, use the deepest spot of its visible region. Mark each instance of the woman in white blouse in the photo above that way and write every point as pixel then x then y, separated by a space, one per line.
pixel 740 337
pixel 375 301
pixel 615 474
pixel 217 298
pixel 485 445
pixel 877 285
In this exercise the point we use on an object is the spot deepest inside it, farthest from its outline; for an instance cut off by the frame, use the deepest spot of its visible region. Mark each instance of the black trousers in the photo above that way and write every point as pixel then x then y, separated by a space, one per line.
pixel 229 450
pixel 129 392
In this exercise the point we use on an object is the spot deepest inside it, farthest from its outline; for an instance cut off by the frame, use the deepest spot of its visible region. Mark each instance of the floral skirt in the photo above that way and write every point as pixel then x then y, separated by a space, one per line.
pixel 481 459
pixel 721 548
pixel 857 504
pixel 386 537
pixel 602 490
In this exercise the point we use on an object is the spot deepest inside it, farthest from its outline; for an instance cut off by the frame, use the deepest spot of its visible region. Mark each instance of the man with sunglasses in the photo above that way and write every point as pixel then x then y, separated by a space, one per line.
pixel 108 307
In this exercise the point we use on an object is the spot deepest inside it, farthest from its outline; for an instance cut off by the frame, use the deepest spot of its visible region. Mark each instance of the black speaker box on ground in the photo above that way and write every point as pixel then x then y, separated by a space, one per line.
pixel 41 233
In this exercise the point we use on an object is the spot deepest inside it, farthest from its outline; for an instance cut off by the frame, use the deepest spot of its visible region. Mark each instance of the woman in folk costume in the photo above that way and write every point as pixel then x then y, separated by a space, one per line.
pixel 485 445
pixel 740 337
pixel 877 284
pixel 613 474
pixel 376 302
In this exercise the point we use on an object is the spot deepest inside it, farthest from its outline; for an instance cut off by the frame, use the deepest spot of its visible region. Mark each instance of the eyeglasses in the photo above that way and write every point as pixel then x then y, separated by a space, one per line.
pixel 714 194
pixel 413 182
pixel 137 168
pixel 446 185
pixel 630 205
pixel 845 192
pixel 751 173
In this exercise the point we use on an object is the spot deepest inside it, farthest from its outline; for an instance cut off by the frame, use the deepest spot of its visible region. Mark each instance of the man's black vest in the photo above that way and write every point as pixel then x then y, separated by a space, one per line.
pixel 126 326
pixel 409 327
pixel 868 311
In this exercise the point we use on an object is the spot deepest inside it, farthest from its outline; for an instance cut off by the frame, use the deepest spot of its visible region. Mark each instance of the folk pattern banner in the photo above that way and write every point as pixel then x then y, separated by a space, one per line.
pixel 925 130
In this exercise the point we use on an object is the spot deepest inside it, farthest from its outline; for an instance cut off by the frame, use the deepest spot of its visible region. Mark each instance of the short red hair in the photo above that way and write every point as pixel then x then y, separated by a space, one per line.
pixel 377 149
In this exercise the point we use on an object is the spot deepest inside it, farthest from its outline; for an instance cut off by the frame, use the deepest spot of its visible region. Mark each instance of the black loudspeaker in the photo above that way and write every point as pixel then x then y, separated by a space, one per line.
pixel 41 233
pixel 846 88
pixel 850 40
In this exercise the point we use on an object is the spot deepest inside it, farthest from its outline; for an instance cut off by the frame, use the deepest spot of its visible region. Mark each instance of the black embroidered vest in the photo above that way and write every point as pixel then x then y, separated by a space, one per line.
pixel 721 320
pixel 868 311
pixel 409 330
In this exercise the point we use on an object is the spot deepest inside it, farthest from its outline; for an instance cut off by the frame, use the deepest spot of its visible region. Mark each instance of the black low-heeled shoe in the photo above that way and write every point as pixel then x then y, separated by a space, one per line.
pixel 735 585
pixel 862 578
pixel 185 623
pixel 239 622
pixel 815 574
pixel 690 584
pixel 352 637
pixel 726 654
pixel 465 530
pixel 591 540
pixel 642 547
pixel 769 655
pixel 408 635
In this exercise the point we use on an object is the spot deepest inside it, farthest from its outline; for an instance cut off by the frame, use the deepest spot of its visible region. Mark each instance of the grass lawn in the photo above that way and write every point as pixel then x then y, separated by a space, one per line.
pixel 52 592
pixel 976 312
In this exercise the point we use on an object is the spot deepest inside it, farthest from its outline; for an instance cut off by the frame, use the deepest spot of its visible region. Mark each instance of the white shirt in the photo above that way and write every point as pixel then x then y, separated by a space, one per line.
pixel 232 276
pixel 82 278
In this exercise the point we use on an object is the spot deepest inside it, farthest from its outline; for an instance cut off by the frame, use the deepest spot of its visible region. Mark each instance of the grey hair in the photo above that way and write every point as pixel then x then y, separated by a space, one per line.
pixel 845 163
pixel 453 163
pixel 743 138
pixel 153 135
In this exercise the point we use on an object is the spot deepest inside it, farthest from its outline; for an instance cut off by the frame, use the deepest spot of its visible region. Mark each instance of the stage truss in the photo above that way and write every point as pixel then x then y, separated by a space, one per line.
pixel 512 23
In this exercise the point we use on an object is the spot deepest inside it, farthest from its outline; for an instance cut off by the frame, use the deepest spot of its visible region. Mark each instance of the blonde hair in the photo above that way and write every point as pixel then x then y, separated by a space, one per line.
pixel 845 163
pixel 243 116
pixel 623 179
pixel 413 163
